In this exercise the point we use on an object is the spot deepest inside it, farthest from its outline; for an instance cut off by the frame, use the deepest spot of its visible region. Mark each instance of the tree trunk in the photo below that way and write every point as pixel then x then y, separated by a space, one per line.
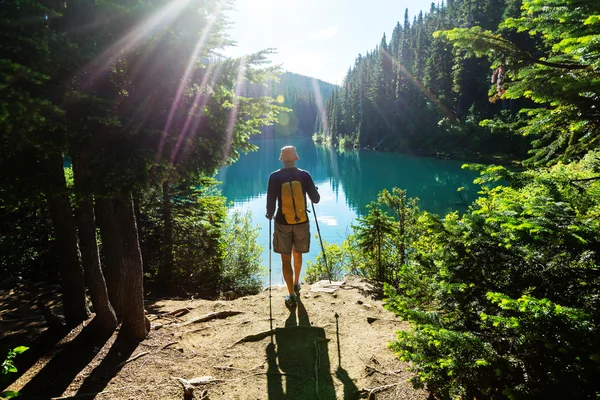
pixel 74 301
pixel 124 270
pixel 105 315
pixel 112 251
pixel 143 246
pixel 167 209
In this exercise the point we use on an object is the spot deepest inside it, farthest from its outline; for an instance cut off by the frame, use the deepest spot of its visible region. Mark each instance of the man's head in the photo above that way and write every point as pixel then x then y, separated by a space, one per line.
pixel 288 156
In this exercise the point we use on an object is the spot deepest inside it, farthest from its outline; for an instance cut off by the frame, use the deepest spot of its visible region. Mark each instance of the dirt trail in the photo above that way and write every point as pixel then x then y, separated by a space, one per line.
pixel 311 354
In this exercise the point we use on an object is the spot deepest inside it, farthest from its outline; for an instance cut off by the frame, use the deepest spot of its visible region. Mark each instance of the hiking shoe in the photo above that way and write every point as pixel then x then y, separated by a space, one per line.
pixel 297 289
pixel 290 301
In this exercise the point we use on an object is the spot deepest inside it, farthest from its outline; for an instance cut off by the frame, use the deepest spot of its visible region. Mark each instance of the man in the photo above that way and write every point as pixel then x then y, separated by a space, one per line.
pixel 289 186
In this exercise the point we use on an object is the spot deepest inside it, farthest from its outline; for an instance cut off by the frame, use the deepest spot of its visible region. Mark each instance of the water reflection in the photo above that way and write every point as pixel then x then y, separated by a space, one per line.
pixel 357 176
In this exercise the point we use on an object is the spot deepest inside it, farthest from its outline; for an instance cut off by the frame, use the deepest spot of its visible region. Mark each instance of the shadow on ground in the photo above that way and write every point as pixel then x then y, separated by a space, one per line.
pixel 56 376
pixel 298 362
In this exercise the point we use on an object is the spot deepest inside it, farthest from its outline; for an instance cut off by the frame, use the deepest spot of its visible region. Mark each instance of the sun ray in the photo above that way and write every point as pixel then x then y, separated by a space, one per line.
pixel 163 17
pixel 184 79
pixel 415 82
pixel 239 83
pixel 195 112
pixel 320 106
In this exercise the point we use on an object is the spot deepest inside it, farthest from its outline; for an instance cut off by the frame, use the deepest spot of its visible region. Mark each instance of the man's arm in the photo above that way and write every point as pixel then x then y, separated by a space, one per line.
pixel 312 192
pixel 271 198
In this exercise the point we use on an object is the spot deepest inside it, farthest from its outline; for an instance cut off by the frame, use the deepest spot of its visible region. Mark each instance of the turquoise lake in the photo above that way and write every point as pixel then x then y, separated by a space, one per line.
pixel 347 182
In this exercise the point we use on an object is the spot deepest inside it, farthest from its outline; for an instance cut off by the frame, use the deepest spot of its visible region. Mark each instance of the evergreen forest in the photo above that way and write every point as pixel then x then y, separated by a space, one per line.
pixel 303 96
pixel 416 93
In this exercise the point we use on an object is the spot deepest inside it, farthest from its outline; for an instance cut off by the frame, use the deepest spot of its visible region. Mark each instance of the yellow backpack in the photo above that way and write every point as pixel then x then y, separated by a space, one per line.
pixel 293 204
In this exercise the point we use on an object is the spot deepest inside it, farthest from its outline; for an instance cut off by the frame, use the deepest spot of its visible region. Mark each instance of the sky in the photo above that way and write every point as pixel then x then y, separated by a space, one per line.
pixel 318 38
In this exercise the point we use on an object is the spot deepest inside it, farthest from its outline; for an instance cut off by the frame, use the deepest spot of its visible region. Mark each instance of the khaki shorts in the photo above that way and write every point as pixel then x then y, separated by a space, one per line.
pixel 291 237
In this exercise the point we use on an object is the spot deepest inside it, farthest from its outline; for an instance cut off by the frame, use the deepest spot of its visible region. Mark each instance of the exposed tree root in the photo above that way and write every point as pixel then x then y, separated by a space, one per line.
pixel 133 358
pixel 169 344
pixel 211 316
pixel 179 312
pixel 188 389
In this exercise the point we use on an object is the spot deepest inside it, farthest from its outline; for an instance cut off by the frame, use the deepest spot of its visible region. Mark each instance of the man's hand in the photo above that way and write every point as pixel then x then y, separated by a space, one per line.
pixel 267 216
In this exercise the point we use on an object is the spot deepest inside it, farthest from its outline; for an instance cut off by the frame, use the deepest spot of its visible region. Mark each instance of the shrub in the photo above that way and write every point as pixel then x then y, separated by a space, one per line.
pixel 242 256
pixel 503 300
pixel 336 264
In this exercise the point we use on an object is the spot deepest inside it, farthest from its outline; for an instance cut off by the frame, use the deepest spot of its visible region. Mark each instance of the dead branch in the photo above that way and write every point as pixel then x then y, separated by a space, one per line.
pixel 188 389
pixel 230 368
pixel 369 393
pixel 211 316
pixel 133 358
pixel 169 344
pixel 370 371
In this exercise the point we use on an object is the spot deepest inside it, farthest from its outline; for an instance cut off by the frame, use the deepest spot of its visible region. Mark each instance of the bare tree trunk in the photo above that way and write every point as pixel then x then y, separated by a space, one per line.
pixel 90 257
pixel 138 217
pixel 124 270
pixel 167 209
pixel 112 251
pixel 73 286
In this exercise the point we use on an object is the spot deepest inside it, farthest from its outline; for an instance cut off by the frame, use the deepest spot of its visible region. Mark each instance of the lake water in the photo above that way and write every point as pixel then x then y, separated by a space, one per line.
pixel 347 182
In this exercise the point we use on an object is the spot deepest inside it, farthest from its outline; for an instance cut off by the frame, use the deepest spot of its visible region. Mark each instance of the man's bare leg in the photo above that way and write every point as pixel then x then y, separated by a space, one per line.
pixel 297 266
pixel 286 269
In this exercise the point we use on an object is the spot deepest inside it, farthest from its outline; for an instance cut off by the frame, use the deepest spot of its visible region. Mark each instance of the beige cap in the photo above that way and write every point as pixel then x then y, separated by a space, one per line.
pixel 288 153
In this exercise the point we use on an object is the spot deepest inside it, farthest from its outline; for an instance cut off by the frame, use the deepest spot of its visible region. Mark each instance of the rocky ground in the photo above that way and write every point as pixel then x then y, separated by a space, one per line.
pixel 334 345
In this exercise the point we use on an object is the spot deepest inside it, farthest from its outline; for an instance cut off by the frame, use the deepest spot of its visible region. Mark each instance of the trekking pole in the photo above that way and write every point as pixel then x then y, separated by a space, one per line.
pixel 270 303
pixel 321 240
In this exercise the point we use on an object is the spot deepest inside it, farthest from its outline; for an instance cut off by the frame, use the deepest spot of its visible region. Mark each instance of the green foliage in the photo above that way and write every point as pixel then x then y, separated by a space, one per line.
pixel 504 299
pixel 337 264
pixel 373 235
pixel 8 367
pixel 198 214
pixel 559 78
pixel 242 254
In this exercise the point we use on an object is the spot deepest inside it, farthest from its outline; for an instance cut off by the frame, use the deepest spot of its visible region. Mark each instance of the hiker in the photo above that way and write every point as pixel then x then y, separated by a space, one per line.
pixel 290 185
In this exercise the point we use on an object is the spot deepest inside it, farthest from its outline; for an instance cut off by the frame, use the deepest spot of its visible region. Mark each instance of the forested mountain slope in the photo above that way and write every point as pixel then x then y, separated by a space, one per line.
pixel 417 94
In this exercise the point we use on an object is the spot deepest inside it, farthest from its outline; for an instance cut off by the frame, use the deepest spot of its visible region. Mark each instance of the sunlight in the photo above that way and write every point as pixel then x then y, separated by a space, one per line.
pixel 320 106
pixel 196 111
pixel 239 83
pixel 419 85
pixel 184 80
pixel 161 18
